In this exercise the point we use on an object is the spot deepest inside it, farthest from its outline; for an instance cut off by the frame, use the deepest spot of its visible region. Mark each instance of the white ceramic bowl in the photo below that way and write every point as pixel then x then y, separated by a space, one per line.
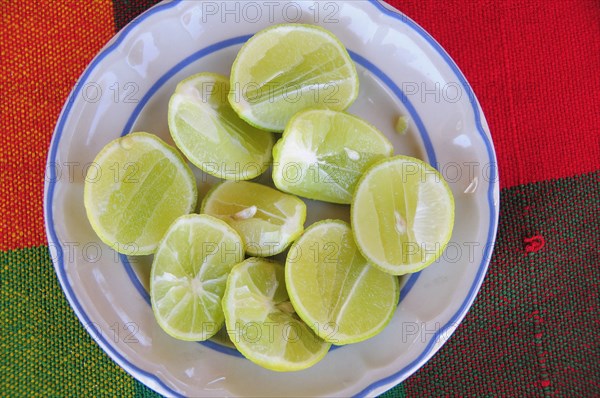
pixel 403 71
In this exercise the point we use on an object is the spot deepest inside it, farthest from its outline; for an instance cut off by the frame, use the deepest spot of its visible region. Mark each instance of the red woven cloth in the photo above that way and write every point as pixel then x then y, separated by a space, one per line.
pixel 534 328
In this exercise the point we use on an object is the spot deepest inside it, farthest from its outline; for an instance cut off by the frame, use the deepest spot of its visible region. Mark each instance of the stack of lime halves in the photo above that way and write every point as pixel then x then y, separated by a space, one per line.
pixel 212 270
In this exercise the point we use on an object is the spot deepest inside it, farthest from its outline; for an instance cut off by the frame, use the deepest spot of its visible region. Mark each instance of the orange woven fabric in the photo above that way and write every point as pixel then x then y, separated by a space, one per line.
pixel 44 47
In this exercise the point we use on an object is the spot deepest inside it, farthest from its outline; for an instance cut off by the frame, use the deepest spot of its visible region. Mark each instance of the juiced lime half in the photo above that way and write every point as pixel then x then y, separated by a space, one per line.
pixel 261 321
pixel 402 215
pixel 135 188
pixel 189 274
pixel 333 287
pixel 267 220
pixel 323 153
pixel 287 68
pixel 211 135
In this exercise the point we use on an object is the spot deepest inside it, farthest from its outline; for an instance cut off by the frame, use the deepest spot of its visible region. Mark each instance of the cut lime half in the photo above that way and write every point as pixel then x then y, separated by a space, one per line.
pixel 135 188
pixel 333 287
pixel 323 153
pixel 402 215
pixel 211 135
pixel 261 321
pixel 268 220
pixel 286 68
pixel 189 274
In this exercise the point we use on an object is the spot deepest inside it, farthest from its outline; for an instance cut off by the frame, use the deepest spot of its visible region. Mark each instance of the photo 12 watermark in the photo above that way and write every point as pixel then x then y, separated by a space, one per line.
pixel 92 252
pixel 432 91
pixel 290 331
pixel 117 332
pixel 116 92
pixel 263 92
pixel 317 12
pixel 127 172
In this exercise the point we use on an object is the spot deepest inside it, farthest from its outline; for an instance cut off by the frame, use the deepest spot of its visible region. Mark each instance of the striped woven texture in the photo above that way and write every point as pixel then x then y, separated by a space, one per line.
pixel 534 329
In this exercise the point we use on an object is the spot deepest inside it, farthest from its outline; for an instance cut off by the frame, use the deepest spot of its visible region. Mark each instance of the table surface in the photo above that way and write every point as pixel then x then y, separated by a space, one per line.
pixel 534 328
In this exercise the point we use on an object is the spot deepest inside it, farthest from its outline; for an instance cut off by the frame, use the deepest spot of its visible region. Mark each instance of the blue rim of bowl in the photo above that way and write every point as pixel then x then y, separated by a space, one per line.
pixel 375 386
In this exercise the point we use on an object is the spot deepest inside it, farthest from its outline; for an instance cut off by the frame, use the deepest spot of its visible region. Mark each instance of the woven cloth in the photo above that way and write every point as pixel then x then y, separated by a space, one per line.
pixel 534 329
